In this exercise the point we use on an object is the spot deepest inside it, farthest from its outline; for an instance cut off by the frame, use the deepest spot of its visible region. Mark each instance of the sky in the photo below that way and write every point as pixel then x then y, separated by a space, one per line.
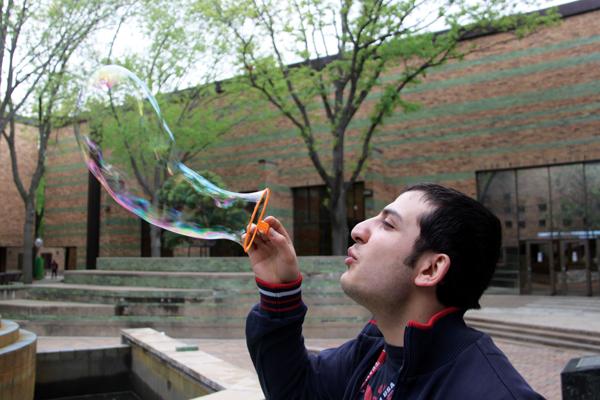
pixel 131 40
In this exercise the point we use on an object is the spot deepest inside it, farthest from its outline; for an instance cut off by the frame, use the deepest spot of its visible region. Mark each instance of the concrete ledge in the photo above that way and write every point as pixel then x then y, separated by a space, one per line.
pixel 78 372
pixel 213 374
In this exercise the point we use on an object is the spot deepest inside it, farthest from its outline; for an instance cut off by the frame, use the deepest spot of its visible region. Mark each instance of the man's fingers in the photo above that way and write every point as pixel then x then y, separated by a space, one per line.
pixel 277 226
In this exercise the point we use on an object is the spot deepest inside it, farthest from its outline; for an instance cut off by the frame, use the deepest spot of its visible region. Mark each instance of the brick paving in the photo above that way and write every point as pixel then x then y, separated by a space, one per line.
pixel 540 365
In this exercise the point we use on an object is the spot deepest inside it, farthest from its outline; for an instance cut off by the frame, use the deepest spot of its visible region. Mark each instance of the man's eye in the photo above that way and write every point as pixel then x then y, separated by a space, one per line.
pixel 387 224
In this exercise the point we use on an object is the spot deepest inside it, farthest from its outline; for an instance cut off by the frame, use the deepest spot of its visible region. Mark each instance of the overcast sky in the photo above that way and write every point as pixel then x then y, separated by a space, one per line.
pixel 131 40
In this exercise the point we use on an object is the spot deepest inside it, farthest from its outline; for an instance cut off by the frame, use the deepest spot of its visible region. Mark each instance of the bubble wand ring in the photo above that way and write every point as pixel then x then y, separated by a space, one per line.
pixel 261 225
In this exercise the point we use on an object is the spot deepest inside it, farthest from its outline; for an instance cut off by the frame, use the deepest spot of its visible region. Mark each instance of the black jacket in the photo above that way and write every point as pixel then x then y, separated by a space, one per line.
pixel 443 359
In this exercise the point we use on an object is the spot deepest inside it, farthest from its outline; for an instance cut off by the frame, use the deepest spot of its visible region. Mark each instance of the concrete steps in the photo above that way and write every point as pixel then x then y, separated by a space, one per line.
pixel 308 265
pixel 182 296
pixel 185 280
pixel 34 308
pixel 23 308
pixel 210 298
pixel 114 294
pixel 549 336
pixel 209 328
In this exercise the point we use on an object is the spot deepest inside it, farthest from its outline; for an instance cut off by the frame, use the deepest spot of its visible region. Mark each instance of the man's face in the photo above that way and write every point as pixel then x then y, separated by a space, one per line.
pixel 377 276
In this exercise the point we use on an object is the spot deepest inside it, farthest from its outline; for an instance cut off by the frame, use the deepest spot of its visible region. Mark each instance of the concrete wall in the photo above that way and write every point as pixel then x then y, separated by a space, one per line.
pixel 166 368
pixel 154 379
pixel 79 372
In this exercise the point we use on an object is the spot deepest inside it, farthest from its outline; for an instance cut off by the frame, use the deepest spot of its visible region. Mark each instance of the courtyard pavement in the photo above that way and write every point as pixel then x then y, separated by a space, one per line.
pixel 540 365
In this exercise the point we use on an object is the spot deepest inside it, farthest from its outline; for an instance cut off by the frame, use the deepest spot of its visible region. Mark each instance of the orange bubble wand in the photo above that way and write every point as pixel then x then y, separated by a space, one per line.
pixel 261 226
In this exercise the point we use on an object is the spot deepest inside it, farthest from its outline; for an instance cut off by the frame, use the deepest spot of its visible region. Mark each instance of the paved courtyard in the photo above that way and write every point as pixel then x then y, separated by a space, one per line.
pixel 540 365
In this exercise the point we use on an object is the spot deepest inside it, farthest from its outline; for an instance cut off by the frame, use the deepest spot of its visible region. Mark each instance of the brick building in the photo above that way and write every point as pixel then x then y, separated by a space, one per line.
pixel 515 124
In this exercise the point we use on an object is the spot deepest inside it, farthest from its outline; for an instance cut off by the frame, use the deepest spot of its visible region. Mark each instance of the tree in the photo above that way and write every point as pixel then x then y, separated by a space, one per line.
pixel 198 208
pixel 341 51
pixel 198 115
pixel 37 42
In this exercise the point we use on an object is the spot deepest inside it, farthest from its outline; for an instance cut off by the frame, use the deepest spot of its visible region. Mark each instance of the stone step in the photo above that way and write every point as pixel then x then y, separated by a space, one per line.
pixel 591 306
pixel 551 331
pixel 122 295
pixel 231 310
pixel 549 336
pixel 308 265
pixel 114 294
pixel 542 340
pixel 229 328
pixel 184 280
pixel 23 307
pixel 9 332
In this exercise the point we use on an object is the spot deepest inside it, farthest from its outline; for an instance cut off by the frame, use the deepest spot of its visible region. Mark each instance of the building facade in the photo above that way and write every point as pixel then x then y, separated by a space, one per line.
pixel 515 123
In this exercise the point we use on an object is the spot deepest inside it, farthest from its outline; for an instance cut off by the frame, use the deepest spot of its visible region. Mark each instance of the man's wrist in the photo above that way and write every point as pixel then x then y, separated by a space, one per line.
pixel 279 298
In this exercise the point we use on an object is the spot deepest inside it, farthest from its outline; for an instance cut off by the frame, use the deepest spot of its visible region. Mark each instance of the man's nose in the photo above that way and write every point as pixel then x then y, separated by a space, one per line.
pixel 360 232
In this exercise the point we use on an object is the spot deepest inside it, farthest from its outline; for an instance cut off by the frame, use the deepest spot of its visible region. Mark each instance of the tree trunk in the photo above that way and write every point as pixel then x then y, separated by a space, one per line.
pixel 28 240
pixel 155 244
pixel 339 225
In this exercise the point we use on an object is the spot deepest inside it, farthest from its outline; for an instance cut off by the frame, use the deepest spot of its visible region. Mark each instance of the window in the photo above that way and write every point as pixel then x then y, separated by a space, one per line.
pixel 312 219
pixel 508 224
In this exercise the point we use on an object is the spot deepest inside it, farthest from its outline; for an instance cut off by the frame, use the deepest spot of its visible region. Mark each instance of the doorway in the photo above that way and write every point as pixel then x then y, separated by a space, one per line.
pixel 71 258
pixel 575 277
pixel 561 266
pixel 540 272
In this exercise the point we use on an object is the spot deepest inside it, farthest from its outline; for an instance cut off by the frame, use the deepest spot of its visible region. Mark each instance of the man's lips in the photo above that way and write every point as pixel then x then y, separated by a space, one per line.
pixel 351 257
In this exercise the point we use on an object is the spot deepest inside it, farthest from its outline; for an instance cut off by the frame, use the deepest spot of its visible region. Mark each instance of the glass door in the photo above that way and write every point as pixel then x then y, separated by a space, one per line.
pixel 575 269
pixel 540 264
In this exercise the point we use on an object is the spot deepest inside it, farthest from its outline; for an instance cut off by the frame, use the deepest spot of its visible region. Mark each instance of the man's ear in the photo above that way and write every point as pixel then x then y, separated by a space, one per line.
pixel 431 269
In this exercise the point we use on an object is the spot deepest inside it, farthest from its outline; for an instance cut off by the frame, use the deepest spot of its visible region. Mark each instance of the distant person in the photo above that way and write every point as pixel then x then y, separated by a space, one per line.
pixel 54 269
pixel 417 266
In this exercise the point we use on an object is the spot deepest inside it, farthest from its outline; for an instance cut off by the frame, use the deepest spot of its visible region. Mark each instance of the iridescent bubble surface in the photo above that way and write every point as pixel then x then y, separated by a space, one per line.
pixel 130 149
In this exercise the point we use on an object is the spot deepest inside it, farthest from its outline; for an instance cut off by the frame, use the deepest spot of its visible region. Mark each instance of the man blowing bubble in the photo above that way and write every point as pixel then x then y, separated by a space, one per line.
pixel 417 266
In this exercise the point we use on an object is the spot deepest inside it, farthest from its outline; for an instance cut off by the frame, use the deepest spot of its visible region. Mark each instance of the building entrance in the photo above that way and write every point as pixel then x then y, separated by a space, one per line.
pixel 551 214
pixel 562 266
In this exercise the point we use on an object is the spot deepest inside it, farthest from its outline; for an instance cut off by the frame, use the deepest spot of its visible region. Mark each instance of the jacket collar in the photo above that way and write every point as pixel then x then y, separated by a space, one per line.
pixel 429 346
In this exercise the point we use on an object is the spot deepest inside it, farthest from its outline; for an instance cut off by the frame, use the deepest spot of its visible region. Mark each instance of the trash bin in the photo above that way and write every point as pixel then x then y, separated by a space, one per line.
pixel 581 379
pixel 38 269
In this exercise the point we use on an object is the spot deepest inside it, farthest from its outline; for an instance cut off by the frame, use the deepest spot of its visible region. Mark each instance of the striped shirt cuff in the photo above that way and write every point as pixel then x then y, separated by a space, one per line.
pixel 277 298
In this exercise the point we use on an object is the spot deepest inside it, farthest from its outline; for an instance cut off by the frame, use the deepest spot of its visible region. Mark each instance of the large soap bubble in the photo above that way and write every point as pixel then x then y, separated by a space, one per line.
pixel 130 149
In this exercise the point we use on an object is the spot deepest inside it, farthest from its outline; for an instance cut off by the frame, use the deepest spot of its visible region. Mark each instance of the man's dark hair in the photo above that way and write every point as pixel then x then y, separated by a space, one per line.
pixel 468 233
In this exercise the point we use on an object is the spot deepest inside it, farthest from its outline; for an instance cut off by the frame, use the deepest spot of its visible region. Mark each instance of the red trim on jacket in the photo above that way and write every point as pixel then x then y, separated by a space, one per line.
pixel 279 310
pixel 288 285
pixel 265 299
pixel 436 317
